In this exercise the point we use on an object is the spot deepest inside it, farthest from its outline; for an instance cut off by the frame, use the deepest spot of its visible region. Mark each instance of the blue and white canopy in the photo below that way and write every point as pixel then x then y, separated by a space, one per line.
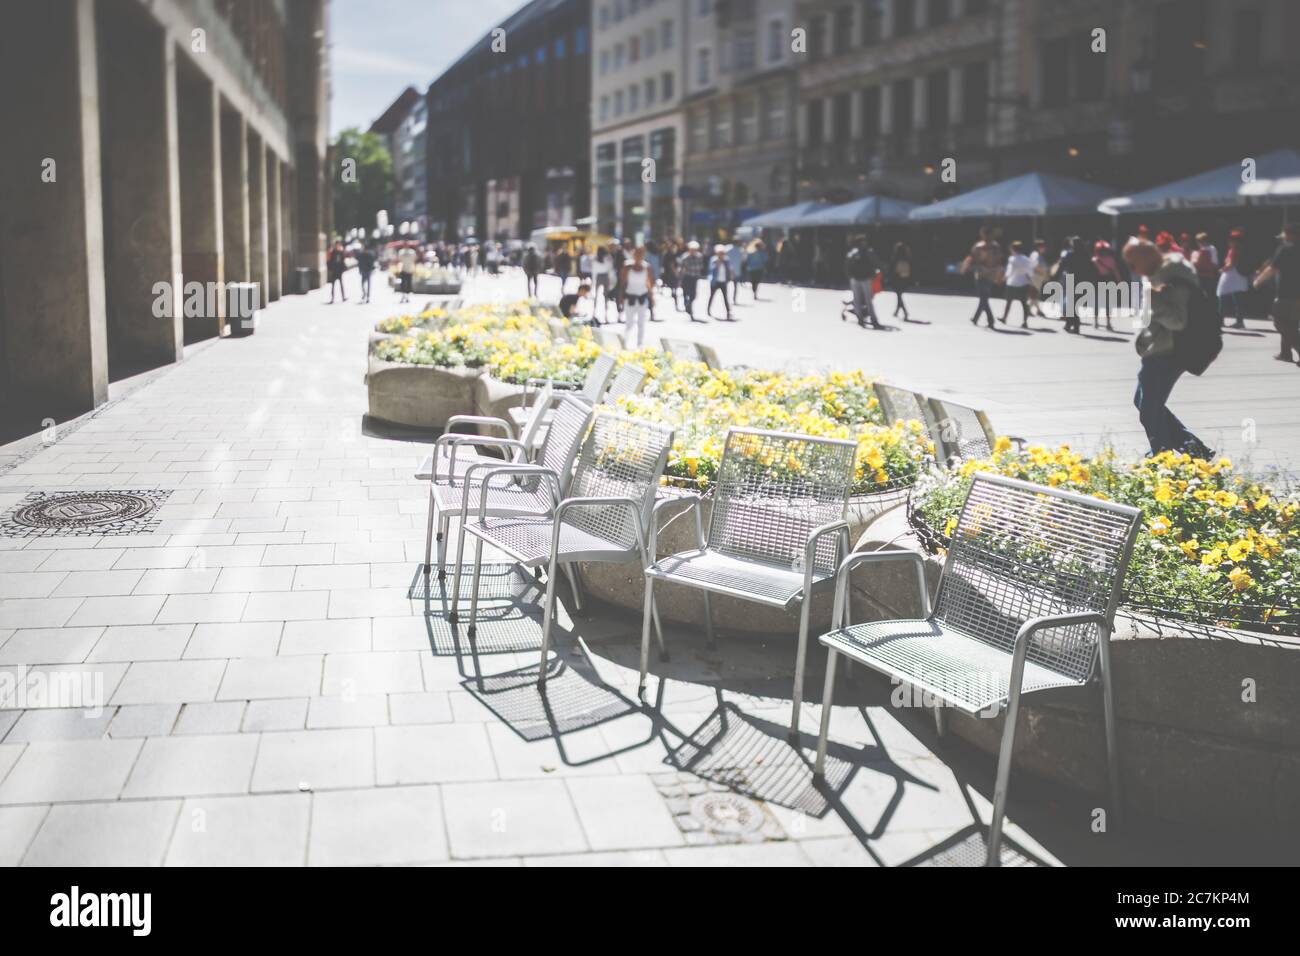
pixel 1276 181
pixel 1033 194
pixel 867 211
pixel 787 217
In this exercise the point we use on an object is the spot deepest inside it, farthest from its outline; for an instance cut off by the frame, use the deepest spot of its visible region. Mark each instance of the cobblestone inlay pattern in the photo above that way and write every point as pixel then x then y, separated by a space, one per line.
pixel 86 513
pixel 708 813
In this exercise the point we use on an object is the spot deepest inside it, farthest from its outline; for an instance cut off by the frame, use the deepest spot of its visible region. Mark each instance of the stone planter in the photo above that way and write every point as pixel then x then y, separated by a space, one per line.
pixel 494 397
pixel 424 396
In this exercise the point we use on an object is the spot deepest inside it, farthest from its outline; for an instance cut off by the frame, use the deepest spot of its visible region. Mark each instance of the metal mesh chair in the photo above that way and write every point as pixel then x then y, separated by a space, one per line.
pixel 963 432
pixel 449 492
pixel 690 351
pixel 627 381
pixel 777 530
pixel 900 404
pixel 604 517
pixel 593 387
pixel 610 339
pixel 1026 602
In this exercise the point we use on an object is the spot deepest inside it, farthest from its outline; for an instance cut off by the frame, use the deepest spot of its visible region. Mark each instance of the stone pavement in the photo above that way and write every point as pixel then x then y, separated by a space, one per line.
pixel 278 687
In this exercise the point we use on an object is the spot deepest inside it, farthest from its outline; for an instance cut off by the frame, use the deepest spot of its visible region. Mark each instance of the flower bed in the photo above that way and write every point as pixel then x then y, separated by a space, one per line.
pixel 1216 548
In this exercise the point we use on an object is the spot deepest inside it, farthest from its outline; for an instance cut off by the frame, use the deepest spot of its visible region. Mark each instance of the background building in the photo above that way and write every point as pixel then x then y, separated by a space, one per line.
pixel 637 64
pixel 740 100
pixel 148 143
pixel 509 127
pixel 410 172
pixel 387 126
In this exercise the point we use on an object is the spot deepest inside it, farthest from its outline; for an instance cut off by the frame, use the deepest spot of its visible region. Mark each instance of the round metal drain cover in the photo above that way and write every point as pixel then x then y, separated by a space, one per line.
pixel 727 813
pixel 82 510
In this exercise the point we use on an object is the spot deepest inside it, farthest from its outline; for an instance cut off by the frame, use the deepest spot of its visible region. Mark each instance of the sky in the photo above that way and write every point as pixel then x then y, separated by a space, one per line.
pixel 379 47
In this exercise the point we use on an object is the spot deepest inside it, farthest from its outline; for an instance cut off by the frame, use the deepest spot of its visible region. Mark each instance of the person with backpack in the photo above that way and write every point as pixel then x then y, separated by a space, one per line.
pixel 862 266
pixel 1285 266
pixel 532 268
pixel 365 266
pixel 1233 280
pixel 985 261
pixel 900 277
pixel 1182 335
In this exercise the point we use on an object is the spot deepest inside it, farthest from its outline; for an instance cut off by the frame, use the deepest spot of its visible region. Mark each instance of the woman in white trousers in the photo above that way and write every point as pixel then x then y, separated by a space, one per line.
pixel 638 283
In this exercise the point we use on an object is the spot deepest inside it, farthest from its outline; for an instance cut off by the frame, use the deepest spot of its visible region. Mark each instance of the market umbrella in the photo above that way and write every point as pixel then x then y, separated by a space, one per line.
pixel 1031 195
pixel 1276 182
pixel 867 211
pixel 787 217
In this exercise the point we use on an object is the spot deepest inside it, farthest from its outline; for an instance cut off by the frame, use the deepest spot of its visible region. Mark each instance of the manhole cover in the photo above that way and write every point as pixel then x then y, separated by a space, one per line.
pixel 83 512
pixel 727 814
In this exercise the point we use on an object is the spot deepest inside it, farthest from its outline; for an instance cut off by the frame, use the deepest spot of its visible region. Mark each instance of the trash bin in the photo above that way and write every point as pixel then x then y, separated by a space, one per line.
pixel 302 280
pixel 242 302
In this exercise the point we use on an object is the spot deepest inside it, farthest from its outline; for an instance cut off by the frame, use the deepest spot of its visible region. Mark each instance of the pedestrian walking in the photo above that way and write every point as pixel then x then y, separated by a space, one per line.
pixel 1107 270
pixel 406 259
pixel 637 284
pixel 602 277
pixel 584 264
pixel 755 266
pixel 900 276
pixel 1285 268
pixel 735 269
pixel 1018 276
pixel 720 276
pixel 532 264
pixel 563 266
pixel 1075 261
pixel 1233 280
pixel 1173 342
pixel 985 263
pixel 692 271
pixel 669 272
pixel 862 266
pixel 1041 261
pixel 365 266
pixel 335 265
pixel 1205 263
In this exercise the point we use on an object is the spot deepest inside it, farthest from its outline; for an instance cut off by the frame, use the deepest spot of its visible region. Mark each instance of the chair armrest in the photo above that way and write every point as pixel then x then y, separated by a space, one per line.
pixel 456 440
pixel 631 504
pixel 491 472
pixel 874 557
pixel 692 504
pixel 491 420
pixel 1035 624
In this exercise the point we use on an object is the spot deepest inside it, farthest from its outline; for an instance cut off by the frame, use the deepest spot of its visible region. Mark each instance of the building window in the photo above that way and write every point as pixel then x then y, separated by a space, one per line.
pixel 937 12
pixel 618 11
pixel 744 55
pixel 703 63
pixel 618 56
pixel 1055 67
pixel 699 131
pixel 816 122
pixel 604 17
pixel 904 17
pixel 1089 71
pixel 774 115
pixel 618 102
pixel 871 112
pixel 666 34
pixel 666 85
pixel 580 41
pixel 872 16
pixel 975 94
pixel 650 92
pixel 936 99
pixel 633 98
pixel 843 31
pixel 817 37
pixel 901 95
pixel 1180 44
pixel 1247 40
pixel 747 127
pixel 721 135
pixel 634 49
pixel 649 42
pixel 559 48
pixel 604 108
pixel 976 7
pixel 703 7
pixel 775 41
pixel 539 56
pixel 841 111
pixel 604 62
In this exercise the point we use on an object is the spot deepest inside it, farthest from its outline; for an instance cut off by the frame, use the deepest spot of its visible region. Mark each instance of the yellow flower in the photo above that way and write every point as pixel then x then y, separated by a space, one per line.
pixel 1240 579
pixel 1159 526
pixel 1002 444
pixel 1239 550
pixel 1190 547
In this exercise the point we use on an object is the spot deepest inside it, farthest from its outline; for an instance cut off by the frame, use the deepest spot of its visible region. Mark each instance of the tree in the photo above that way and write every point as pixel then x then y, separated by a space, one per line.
pixel 363 178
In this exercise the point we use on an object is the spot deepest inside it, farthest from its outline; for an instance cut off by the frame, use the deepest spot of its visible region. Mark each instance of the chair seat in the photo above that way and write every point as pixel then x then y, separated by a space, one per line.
pixel 519 416
pixel 958 669
pixel 527 539
pixel 465 457
pixel 512 498
pixel 726 574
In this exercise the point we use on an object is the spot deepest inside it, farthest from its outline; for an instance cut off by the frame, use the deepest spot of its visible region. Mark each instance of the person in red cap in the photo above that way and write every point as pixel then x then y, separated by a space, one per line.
pixel 1103 261
pixel 1285 267
pixel 1233 280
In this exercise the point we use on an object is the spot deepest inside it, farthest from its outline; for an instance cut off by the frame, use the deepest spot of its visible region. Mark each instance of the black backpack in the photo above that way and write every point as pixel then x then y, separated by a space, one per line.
pixel 1200 343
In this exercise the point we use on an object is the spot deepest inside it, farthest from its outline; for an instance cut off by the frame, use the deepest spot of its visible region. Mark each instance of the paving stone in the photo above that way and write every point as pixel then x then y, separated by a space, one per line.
pixel 374 673
pixel 142 642
pixel 18 826
pixel 623 813
pixel 433 753
pixel 60 723
pixel 391 825
pixel 66 770
pixel 263 830
pixel 184 766
pixel 326 636
pixel 215 717
pixel 144 720
pixel 257 578
pixel 421 708
pixel 123 833
pixel 95 583
pixel 202 608
pixel 177 581
pixel 52 645
pixel 511 818
pixel 367 710
pixel 289 713
pixel 286 606
pixel 250 678
pixel 163 682
pixel 242 639
pixel 315 760
pixel 140 609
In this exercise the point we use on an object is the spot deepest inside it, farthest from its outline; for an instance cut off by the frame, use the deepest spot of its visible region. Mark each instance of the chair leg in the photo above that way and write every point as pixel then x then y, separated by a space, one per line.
pixel 659 631
pixel 799 654
pixel 828 697
pixel 1004 773
pixel 708 621
pixel 1112 733
pixel 575 583
pixel 940 720
pixel 548 613
pixel 473 587
pixel 428 534
pixel 444 527
pixel 646 614
pixel 460 562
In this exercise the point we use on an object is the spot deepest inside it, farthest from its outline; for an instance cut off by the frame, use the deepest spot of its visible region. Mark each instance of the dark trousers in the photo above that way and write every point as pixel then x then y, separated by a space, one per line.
pixel 1156 379
pixel 532 284
pixel 983 289
pixel 365 286
pixel 714 289
pixel 689 288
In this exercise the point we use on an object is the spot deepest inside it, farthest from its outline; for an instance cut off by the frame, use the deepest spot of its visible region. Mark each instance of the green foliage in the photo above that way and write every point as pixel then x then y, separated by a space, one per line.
pixel 357 198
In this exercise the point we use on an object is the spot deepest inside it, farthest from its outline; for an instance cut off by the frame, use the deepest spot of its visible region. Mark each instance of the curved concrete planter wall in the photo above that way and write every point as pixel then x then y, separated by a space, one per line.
pixel 424 396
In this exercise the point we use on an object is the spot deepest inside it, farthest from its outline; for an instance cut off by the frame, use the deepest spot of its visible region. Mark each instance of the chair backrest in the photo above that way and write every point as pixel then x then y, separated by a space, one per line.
pixel 536 414
pixel 626 381
pixel 598 377
pixel 609 339
pixel 964 432
pixel 773 489
pixel 565 434
pixel 622 457
pixel 898 403
pixel 559 330
pixel 1021 551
